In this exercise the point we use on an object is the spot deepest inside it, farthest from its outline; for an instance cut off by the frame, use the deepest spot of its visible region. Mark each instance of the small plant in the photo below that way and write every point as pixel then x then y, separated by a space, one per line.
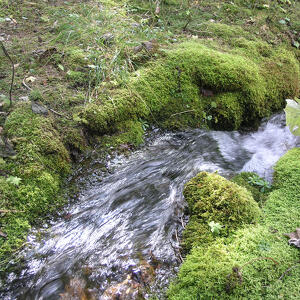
pixel 292 113
pixel 13 180
pixel 255 180
pixel 215 228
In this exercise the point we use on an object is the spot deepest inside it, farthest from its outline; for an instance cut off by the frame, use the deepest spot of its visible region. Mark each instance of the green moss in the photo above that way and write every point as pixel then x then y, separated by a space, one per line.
pixel 128 133
pixel 169 92
pixel 41 162
pixel 205 274
pixel 242 179
pixel 211 197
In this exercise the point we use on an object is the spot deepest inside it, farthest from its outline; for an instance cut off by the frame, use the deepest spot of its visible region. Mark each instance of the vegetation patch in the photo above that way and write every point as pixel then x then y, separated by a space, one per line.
pixel 197 85
pixel 255 261
pixel 32 179
pixel 213 199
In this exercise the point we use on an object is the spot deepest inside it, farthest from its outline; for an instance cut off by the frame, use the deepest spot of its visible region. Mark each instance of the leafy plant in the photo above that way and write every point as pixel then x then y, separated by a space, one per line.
pixel 215 228
pixel 255 180
pixel 13 180
pixel 292 113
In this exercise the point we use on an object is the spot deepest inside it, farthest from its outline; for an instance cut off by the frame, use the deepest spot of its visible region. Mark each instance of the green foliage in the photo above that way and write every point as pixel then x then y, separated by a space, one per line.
pixel 243 178
pixel 292 113
pixel 263 185
pixel 13 180
pixel 215 228
pixel 243 87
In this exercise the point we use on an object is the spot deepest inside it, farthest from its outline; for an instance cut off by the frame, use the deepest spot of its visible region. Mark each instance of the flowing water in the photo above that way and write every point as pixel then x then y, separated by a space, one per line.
pixel 133 212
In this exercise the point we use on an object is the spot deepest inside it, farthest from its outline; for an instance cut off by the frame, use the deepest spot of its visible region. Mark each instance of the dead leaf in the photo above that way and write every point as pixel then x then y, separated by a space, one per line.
pixel 294 238
pixel 3 234
pixel 30 79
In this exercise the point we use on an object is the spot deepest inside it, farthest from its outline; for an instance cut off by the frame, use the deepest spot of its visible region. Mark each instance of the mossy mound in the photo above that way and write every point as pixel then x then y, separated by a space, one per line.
pixel 211 197
pixel 261 258
pixel 260 253
pixel 203 83
pixel 243 179
pixel 41 163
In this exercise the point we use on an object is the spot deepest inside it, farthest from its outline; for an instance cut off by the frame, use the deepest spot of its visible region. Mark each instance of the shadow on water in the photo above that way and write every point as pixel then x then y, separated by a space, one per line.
pixel 132 214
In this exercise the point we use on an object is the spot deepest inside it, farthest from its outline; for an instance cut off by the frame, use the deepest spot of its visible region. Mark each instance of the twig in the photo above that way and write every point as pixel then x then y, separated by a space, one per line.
pixel 6 211
pixel 259 258
pixel 59 114
pixel 182 112
pixel 289 269
pixel 13 72
pixel 27 87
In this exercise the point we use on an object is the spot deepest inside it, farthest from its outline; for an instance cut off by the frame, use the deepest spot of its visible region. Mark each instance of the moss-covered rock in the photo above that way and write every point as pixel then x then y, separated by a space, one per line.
pixel 41 163
pixel 252 263
pixel 244 84
pixel 211 197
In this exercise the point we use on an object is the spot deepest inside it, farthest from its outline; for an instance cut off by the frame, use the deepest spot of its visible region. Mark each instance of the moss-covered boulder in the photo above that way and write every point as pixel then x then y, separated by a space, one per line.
pixel 247 268
pixel 211 197
pixel 203 83
pixel 39 167
pixel 255 262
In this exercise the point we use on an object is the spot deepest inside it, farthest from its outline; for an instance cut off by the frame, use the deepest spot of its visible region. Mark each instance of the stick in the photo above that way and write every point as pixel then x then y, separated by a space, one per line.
pixel 13 72
pixel 6 211
pixel 288 270
pixel 182 112
pixel 27 87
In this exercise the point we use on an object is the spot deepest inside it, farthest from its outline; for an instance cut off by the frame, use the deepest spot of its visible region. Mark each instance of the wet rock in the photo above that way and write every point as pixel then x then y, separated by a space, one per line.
pixel 39 109
pixel 134 286
pixel 76 290
pixel 6 148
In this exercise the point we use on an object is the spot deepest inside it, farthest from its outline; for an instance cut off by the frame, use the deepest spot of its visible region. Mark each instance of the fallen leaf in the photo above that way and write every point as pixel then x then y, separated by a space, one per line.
pixel 30 79
pixel 294 238
pixel 3 234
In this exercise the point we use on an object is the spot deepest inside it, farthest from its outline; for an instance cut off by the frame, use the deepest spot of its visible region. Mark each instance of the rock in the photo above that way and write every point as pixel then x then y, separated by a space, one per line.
pixel 39 109
pixel 24 99
pixel 6 148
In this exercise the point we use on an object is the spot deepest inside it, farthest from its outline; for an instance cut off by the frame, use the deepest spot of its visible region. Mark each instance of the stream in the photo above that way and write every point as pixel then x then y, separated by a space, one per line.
pixel 132 215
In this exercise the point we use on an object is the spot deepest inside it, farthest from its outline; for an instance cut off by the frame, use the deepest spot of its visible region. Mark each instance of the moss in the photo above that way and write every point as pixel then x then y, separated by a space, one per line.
pixel 242 179
pixel 211 197
pixel 41 162
pixel 128 133
pixel 78 78
pixel 169 92
pixel 205 274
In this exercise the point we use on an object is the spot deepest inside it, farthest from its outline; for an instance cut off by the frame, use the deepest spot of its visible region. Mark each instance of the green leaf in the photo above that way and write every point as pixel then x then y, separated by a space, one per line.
pixel 213 104
pixel 292 113
pixel 296 44
pixel 61 67
pixel 13 180
pixel 283 22
pixel 215 227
